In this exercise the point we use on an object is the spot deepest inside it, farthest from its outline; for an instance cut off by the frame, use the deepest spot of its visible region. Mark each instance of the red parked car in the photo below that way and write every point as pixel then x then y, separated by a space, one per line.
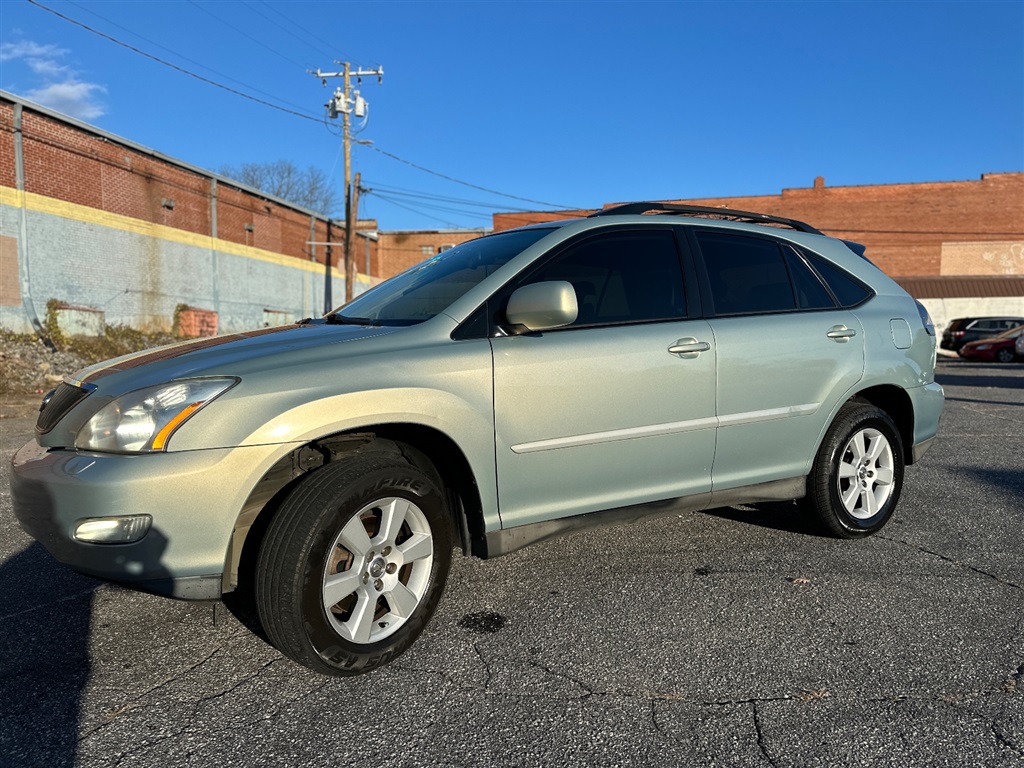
pixel 999 348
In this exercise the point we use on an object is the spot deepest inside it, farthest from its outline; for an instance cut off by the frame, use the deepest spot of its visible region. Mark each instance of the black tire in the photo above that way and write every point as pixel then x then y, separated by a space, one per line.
pixel 853 494
pixel 1005 355
pixel 304 546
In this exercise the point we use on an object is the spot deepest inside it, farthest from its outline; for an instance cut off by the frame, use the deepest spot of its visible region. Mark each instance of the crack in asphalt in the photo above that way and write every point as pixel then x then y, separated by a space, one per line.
pixel 139 697
pixel 1003 739
pixel 198 704
pixel 489 675
pixel 952 561
pixel 760 736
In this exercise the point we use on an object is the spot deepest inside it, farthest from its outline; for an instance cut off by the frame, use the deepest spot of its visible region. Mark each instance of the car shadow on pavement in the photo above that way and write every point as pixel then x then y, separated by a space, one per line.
pixel 1009 481
pixel 978 400
pixel 45 618
pixel 784 516
pixel 948 377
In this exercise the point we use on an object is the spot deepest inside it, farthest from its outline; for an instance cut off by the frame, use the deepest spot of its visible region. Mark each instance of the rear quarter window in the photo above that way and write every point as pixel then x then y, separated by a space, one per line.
pixel 849 291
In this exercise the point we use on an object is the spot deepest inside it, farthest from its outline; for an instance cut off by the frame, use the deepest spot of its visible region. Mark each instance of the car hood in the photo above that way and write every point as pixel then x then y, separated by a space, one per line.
pixel 234 353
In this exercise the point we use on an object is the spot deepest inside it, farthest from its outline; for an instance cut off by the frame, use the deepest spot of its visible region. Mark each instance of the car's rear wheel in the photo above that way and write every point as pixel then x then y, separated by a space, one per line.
pixel 857 476
pixel 1005 355
pixel 353 564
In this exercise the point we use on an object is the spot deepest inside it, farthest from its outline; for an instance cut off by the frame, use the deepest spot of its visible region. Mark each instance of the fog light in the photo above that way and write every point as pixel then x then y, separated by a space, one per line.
pixel 113 530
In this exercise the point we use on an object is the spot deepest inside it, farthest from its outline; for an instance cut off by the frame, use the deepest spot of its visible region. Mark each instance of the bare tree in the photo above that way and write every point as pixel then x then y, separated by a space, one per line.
pixel 282 178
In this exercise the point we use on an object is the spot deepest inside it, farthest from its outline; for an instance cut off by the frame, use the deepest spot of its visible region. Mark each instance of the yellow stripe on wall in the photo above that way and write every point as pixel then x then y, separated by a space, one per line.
pixel 42 204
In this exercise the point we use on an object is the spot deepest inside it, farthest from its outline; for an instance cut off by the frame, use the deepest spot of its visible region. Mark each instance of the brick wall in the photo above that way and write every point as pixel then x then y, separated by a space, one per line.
pixel 111 225
pixel 904 226
pixel 67 162
pixel 397 251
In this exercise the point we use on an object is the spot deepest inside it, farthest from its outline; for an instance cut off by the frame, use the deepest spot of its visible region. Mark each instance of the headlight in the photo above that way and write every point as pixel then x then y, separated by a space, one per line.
pixel 980 347
pixel 143 421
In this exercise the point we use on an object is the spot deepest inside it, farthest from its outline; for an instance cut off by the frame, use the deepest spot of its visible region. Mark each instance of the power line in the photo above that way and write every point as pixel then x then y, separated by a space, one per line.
pixel 329 49
pixel 459 181
pixel 173 66
pixel 420 213
pixel 263 102
pixel 434 206
pixel 421 194
pixel 245 34
pixel 176 53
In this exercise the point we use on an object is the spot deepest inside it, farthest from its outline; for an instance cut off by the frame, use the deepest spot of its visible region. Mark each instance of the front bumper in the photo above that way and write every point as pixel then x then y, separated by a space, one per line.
pixel 194 498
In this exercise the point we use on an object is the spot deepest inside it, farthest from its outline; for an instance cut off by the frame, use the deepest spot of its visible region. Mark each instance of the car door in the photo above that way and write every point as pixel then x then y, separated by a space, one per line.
pixel 618 408
pixel 787 354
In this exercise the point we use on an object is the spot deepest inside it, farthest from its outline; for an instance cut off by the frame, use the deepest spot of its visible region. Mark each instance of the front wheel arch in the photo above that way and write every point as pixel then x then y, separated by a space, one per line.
pixel 432 451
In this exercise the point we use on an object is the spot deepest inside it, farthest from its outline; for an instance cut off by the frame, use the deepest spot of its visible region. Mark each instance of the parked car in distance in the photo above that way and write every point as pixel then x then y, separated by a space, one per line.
pixel 650 359
pixel 1001 348
pixel 966 329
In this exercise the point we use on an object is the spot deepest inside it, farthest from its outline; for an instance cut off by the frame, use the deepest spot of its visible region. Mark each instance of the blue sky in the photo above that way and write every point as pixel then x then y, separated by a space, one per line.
pixel 569 103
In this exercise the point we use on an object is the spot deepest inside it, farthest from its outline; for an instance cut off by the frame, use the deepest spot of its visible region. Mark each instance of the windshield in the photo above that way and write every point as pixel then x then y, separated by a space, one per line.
pixel 428 288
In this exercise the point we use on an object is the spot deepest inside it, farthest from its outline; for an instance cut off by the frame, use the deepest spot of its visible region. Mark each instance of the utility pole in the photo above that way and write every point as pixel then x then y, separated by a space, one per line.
pixel 344 102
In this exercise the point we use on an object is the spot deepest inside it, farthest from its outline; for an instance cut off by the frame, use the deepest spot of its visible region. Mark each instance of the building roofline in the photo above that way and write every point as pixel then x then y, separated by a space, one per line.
pixel 141 148
pixel 467 231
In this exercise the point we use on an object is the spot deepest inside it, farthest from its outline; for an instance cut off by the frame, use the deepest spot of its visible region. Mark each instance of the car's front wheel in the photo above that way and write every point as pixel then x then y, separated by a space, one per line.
pixel 353 564
pixel 857 476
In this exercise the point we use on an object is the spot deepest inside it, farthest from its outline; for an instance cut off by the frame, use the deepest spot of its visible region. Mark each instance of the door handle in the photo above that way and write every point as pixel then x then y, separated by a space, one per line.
pixel 840 333
pixel 689 347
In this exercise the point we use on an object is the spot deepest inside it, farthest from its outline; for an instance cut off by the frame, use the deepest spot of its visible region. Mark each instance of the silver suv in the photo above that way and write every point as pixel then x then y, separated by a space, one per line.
pixel 648 359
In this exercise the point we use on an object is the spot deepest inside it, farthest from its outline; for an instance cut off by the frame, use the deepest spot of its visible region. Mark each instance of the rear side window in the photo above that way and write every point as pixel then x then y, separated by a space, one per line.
pixel 745 274
pixel 621 277
pixel 847 290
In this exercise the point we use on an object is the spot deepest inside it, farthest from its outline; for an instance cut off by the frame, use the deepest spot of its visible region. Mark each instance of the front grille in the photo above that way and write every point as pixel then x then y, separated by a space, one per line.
pixel 64 398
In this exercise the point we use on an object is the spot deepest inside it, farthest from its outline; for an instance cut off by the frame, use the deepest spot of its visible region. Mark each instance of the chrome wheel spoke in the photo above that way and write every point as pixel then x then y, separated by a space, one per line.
pixel 850 497
pixel 870 502
pixel 392 518
pixel 857 447
pixel 421 545
pixel 875 446
pixel 847 470
pixel 360 622
pixel 340 585
pixel 402 600
pixel 884 476
pixel 354 538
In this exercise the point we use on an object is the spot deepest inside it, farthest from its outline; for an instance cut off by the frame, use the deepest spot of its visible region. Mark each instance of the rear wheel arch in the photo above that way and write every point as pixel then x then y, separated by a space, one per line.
pixel 898 406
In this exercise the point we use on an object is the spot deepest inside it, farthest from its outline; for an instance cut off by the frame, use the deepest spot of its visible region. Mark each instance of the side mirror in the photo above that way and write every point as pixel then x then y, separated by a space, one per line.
pixel 542 306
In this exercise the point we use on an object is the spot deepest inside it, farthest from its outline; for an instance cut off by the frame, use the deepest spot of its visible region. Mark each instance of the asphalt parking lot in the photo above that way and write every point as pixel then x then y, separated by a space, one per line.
pixel 734 637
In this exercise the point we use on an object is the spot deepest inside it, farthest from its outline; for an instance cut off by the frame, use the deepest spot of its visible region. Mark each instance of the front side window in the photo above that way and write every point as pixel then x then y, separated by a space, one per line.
pixel 626 276
pixel 427 289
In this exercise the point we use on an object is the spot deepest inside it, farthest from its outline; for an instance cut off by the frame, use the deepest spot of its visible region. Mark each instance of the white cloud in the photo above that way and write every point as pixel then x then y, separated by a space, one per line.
pixel 81 100
pixel 61 88
pixel 26 49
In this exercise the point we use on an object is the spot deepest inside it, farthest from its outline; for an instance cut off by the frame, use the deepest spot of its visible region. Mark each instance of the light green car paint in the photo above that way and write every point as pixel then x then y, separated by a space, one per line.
pixel 539 433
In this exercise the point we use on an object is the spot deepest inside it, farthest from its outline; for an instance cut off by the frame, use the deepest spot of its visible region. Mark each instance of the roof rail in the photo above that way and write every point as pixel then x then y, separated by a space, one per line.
pixel 703 210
